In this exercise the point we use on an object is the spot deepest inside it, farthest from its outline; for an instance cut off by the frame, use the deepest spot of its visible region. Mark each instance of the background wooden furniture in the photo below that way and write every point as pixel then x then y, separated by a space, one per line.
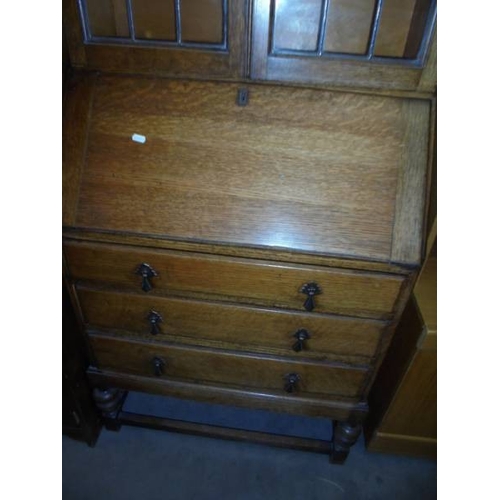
pixel 403 400
pixel 259 244
pixel 403 416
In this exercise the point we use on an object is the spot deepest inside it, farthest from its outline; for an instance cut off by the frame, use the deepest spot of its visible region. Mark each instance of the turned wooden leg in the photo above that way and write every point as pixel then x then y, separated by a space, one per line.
pixel 345 434
pixel 109 402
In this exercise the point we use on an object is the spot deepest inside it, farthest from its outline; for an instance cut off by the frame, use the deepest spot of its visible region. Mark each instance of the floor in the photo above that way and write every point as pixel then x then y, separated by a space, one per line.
pixel 145 464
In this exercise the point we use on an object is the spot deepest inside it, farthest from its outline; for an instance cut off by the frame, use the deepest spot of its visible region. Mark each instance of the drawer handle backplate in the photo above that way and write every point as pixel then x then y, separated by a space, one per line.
pixel 291 382
pixel 158 366
pixel 301 335
pixel 310 289
pixel 154 319
pixel 146 272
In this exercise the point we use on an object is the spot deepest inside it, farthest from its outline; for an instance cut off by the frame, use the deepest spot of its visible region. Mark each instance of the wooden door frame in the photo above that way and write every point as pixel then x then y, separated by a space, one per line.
pixel 161 61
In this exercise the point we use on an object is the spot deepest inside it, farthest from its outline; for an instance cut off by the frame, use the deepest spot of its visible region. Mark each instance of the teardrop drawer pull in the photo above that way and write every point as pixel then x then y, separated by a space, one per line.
pixel 310 289
pixel 158 366
pixel 291 382
pixel 301 335
pixel 154 319
pixel 146 272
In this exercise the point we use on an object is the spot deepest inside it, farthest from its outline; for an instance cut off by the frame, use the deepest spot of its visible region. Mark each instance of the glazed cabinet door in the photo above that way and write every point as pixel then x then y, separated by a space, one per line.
pixel 366 43
pixel 186 38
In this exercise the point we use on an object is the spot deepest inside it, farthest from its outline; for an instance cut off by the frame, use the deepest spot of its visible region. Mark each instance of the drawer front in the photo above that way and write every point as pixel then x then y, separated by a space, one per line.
pixel 207 366
pixel 272 284
pixel 241 326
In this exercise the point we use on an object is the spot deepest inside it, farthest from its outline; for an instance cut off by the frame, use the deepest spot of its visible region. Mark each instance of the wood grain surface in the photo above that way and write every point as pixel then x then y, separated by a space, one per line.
pixel 212 366
pixel 266 283
pixel 411 197
pixel 339 72
pixel 77 109
pixel 300 169
pixel 232 326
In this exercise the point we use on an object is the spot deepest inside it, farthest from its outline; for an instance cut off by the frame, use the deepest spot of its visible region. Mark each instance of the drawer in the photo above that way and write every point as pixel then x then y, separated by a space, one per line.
pixel 353 293
pixel 210 366
pixel 242 327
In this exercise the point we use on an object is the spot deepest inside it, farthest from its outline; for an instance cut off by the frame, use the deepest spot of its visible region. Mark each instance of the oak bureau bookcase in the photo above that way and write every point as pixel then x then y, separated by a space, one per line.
pixel 244 197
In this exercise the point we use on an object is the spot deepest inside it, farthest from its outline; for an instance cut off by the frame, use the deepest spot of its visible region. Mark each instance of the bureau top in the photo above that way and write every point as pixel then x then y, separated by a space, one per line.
pixel 313 171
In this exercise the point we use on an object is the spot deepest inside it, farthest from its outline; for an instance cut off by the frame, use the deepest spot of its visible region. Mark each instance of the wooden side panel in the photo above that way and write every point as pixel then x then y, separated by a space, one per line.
pixel 408 242
pixel 76 118
pixel 225 367
pixel 414 408
pixel 426 294
pixel 403 416
pixel 258 282
pixel 232 326
pixel 395 363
